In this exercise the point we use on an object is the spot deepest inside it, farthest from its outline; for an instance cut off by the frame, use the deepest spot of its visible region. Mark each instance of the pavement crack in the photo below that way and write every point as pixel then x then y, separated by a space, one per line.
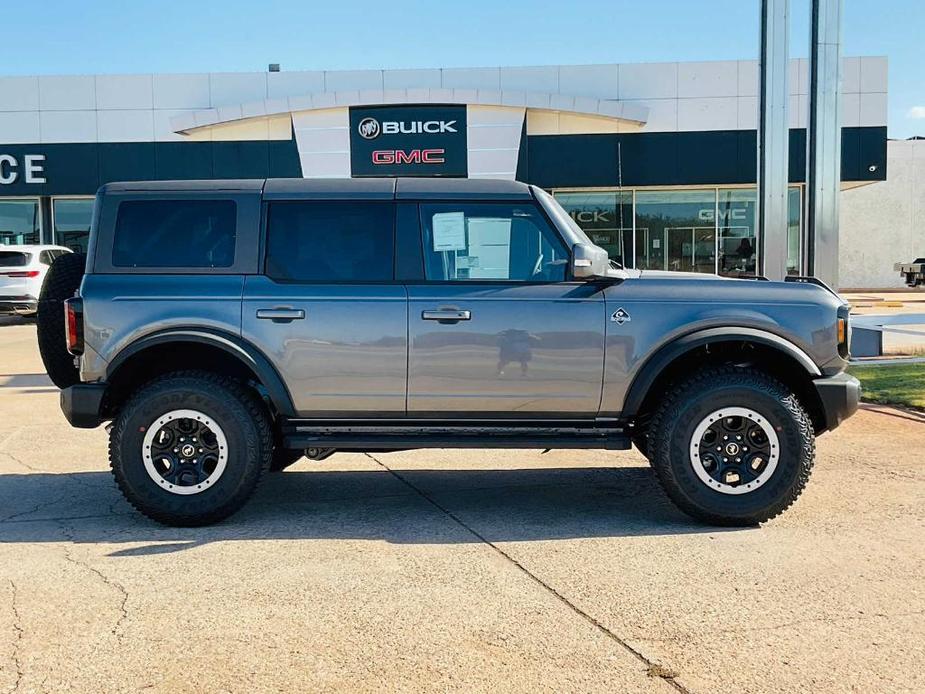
pixel 34 509
pixel 19 631
pixel 19 461
pixel 12 435
pixel 652 669
pixel 69 556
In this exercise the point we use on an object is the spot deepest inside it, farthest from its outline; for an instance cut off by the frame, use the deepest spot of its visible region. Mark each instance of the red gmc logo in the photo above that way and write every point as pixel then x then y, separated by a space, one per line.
pixel 411 156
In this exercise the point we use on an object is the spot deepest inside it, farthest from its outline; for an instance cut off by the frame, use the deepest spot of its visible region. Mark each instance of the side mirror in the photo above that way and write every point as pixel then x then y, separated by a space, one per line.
pixel 589 261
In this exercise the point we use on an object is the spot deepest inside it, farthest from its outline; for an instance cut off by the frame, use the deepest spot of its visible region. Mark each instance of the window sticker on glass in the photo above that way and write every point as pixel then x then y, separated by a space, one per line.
pixel 449 231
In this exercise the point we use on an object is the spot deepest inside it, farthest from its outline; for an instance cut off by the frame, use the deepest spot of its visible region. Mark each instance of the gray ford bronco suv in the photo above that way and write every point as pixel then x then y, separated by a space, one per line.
pixel 226 328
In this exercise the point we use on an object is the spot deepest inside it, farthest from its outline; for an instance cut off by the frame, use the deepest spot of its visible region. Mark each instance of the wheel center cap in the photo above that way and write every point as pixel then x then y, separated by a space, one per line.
pixel 732 448
pixel 188 451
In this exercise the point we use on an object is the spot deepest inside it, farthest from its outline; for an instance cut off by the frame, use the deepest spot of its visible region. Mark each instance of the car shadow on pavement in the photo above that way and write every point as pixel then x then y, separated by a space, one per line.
pixel 404 506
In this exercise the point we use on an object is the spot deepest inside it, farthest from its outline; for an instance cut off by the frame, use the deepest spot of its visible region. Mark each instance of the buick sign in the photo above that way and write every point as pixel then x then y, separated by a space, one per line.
pixel 408 141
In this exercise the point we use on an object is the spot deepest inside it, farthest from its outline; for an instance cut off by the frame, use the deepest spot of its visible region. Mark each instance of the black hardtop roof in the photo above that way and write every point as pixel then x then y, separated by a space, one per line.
pixel 342 188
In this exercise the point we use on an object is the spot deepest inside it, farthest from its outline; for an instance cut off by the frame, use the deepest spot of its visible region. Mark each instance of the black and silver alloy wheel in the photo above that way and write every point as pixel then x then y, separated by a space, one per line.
pixel 185 451
pixel 734 450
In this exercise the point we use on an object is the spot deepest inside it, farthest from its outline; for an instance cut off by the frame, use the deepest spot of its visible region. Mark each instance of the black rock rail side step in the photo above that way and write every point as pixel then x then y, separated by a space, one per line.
pixel 304 434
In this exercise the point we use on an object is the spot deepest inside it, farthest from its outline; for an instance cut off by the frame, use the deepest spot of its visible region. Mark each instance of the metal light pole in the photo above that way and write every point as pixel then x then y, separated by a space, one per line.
pixel 823 142
pixel 773 139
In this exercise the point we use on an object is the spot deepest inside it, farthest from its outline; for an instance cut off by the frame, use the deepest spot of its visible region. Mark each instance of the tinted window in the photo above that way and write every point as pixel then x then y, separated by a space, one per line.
pixel 488 241
pixel 72 222
pixel 20 222
pixel 46 258
pixel 331 241
pixel 175 233
pixel 13 259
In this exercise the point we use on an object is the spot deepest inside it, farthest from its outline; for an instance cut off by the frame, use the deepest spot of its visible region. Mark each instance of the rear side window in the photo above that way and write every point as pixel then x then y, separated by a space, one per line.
pixel 331 241
pixel 14 259
pixel 175 234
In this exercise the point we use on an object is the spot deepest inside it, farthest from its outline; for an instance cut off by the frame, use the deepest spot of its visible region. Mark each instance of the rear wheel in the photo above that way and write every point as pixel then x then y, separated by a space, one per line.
pixel 732 446
pixel 189 448
pixel 61 282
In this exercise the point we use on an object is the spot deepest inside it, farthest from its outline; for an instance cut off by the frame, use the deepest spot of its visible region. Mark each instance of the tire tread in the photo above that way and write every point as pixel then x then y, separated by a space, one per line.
pixel 256 411
pixel 708 378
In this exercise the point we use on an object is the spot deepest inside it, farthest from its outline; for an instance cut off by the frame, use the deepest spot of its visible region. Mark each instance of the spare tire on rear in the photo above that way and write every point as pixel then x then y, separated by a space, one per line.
pixel 61 282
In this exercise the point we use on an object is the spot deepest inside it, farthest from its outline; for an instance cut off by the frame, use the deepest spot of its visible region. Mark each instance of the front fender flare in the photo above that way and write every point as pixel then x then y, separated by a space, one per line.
pixel 666 354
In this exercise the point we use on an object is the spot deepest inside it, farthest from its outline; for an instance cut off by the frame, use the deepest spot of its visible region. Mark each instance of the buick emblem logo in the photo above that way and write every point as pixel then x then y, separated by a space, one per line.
pixel 369 128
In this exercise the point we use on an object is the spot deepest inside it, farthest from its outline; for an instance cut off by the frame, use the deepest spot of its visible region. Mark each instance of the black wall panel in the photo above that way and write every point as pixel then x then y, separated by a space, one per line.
pixel 684 158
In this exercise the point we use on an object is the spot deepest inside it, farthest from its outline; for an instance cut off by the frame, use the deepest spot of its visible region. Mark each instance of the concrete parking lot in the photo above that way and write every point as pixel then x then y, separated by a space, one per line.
pixel 455 570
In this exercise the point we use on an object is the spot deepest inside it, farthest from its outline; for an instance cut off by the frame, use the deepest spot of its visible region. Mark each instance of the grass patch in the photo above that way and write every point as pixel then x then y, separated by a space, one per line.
pixel 900 384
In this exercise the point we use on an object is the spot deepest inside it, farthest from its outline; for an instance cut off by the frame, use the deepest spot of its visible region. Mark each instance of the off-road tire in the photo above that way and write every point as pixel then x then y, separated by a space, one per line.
pixel 240 414
pixel 61 281
pixel 689 403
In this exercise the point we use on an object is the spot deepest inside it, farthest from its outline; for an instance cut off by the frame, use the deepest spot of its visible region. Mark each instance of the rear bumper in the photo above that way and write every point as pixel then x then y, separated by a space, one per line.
pixel 18 305
pixel 82 403
pixel 840 395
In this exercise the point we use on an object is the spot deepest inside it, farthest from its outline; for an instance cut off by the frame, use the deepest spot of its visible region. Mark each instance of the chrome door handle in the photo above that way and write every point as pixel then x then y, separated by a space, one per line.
pixel 280 315
pixel 447 315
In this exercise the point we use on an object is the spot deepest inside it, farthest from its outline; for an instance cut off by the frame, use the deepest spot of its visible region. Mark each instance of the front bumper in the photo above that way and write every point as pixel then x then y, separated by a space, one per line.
pixel 839 395
pixel 18 305
pixel 82 404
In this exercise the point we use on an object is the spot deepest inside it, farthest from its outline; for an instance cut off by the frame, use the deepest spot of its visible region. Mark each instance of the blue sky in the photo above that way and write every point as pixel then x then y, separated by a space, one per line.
pixel 107 36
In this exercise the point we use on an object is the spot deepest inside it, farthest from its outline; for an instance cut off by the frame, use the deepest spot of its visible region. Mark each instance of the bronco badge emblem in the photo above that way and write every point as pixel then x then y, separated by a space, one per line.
pixel 620 316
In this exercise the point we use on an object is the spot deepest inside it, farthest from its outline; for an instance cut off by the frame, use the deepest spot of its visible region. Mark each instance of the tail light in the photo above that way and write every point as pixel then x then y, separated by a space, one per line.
pixel 24 273
pixel 74 325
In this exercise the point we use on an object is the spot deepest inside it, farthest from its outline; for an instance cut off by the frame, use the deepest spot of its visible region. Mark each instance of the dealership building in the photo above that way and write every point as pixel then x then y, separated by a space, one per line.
pixel 657 162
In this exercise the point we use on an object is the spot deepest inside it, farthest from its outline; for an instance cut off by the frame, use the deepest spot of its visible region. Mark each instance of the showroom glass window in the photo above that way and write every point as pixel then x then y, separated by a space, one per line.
pixel 736 223
pixel 607 219
pixel 72 222
pixel 331 241
pixel 175 234
pixel 675 230
pixel 794 214
pixel 20 222
pixel 490 241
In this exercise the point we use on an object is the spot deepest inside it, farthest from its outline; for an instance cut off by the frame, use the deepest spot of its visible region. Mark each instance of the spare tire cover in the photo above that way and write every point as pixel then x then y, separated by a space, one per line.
pixel 61 282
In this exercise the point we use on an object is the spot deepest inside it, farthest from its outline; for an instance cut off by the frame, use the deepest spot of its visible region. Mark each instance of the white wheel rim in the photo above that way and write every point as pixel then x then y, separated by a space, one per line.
pixel 700 467
pixel 154 457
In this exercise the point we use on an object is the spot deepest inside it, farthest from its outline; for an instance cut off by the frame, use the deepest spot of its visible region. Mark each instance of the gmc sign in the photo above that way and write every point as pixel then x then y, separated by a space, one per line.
pixel 414 156
pixel 408 141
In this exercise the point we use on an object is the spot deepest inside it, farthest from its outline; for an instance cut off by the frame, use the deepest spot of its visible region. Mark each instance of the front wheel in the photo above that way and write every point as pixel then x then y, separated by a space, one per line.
pixel 189 448
pixel 732 446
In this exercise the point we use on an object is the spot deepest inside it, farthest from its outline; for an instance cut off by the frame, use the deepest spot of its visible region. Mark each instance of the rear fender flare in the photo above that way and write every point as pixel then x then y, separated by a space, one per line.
pixel 246 353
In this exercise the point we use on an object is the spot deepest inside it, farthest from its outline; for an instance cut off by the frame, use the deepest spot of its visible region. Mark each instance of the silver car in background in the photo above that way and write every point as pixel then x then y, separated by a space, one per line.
pixel 22 274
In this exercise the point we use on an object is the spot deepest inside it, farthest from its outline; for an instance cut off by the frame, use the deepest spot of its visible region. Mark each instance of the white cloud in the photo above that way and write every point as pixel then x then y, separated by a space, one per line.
pixel 916 112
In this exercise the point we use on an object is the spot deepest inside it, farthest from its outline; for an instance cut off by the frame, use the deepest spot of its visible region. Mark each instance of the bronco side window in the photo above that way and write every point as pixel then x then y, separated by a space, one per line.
pixel 338 241
pixel 491 241
pixel 175 234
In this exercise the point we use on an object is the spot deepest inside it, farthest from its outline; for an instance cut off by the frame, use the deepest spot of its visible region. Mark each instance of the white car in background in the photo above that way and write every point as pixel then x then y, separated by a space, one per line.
pixel 22 273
